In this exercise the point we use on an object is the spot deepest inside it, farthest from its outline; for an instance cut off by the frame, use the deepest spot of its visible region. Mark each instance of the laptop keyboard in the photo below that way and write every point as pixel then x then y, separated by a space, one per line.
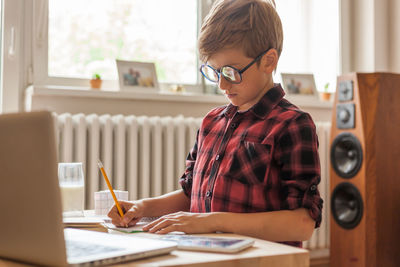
pixel 80 249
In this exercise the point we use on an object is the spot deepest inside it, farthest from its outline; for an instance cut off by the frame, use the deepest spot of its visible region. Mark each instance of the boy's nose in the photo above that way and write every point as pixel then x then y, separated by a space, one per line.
pixel 223 84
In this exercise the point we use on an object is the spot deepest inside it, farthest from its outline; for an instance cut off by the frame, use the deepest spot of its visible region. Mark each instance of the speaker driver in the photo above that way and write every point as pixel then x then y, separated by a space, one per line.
pixel 346 155
pixel 347 205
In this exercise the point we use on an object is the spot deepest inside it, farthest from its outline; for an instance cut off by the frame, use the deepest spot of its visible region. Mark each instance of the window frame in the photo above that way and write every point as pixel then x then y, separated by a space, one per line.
pixel 14 54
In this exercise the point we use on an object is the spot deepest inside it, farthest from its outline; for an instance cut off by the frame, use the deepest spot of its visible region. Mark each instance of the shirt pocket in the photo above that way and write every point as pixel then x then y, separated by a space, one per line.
pixel 249 163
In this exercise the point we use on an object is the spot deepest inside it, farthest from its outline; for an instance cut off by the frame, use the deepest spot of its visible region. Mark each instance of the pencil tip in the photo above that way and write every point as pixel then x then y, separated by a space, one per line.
pixel 99 163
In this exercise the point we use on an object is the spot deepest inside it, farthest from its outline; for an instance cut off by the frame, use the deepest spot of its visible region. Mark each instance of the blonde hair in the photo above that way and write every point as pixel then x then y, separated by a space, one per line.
pixel 252 25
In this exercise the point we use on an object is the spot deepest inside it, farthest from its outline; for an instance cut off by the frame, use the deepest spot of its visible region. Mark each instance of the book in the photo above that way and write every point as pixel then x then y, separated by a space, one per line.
pixel 86 222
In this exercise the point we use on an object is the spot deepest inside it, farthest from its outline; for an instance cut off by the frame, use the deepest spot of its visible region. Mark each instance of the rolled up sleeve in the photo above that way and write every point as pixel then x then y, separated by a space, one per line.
pixel 297 155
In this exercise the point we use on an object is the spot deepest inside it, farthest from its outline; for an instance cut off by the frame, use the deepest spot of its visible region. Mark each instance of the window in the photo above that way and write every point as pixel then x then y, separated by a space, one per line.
pixel 85 37
pixel 135 30
pixel 311 39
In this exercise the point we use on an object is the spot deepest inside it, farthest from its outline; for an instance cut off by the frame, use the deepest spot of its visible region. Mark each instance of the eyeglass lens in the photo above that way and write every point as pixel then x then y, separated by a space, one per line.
pixel 209 73
pixel 229 73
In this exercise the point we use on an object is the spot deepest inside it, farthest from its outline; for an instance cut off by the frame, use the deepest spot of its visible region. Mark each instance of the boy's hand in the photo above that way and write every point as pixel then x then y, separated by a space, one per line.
pixel 133 212
pixel 181 221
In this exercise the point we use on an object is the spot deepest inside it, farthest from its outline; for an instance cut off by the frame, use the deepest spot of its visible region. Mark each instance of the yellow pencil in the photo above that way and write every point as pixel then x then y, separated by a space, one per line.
pixel 110 187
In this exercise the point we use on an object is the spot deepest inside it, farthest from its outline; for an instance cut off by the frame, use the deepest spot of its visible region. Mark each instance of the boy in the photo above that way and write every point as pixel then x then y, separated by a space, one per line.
pixel 254 168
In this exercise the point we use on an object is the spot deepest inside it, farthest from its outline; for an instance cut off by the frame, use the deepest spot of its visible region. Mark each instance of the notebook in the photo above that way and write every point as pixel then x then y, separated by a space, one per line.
pixel 31 226
pixel 93 223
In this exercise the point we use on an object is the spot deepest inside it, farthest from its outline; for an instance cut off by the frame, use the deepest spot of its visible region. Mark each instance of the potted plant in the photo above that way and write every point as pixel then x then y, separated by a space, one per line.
pixel 95 82
pixel 326 95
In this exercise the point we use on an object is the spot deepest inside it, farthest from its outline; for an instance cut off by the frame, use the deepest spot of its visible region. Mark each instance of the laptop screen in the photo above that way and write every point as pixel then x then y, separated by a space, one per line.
pixel 29 190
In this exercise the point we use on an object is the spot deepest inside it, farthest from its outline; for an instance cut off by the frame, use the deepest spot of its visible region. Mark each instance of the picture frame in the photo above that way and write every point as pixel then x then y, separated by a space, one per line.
pixel 137 76
pixel 299 84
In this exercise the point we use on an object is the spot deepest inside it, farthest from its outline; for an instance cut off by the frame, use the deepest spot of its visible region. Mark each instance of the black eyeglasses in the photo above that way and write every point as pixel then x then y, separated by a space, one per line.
pixel 231 74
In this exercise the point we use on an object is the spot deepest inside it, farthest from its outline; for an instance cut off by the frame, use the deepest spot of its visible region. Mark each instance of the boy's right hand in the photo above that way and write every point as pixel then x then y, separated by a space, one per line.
pixel 133 212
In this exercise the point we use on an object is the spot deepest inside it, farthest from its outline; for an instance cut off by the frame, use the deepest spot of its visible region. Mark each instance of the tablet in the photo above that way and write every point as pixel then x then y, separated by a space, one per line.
pixel 213 244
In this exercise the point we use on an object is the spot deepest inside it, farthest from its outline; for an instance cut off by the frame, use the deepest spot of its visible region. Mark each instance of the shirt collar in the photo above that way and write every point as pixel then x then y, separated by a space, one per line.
pixel 271 98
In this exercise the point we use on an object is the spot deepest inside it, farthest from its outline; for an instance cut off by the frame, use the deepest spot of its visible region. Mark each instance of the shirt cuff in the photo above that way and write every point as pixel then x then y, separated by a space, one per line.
pixel 311 200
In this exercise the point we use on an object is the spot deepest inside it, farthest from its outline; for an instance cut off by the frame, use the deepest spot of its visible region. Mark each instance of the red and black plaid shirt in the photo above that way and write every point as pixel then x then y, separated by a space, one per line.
pixel 264 159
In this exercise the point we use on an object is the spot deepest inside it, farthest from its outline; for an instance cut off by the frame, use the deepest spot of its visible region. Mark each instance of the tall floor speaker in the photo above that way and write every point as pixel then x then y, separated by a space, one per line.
pixel 365 171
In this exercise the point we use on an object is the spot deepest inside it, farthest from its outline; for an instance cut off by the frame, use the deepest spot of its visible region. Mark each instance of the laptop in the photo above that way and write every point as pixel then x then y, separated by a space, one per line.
pixel 31 226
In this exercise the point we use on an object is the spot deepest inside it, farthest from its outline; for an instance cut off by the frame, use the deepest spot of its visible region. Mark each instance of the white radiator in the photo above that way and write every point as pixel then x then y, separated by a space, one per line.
pixel 146 155
pixel 143 155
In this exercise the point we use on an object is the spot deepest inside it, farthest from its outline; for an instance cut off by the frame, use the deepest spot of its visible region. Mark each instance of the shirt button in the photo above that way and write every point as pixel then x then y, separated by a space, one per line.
pixel 233 125
pixel 313 187
pixel 208 194
pixel 217 157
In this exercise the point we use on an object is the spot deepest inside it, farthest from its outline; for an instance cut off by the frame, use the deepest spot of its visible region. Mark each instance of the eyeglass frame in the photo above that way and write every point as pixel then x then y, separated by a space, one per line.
pixel 218 72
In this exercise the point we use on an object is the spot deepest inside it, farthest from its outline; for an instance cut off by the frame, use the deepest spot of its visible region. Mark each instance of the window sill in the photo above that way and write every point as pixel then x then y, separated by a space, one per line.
pixel 70 91
pixel 61 99
pixel 84 92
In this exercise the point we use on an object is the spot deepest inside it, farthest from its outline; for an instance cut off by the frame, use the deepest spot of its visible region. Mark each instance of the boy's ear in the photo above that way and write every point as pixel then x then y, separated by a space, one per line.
pixel 270 60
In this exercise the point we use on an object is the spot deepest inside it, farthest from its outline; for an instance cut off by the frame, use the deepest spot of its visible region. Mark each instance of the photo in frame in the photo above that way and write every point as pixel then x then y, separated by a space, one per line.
pixel 299 84
pixel 137 76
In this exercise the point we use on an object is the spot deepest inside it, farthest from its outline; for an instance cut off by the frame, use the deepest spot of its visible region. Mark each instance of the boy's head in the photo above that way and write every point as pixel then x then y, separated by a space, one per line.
pixel 251 25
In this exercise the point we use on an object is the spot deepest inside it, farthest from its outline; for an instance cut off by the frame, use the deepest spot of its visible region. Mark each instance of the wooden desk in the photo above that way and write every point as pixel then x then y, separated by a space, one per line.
pixel 263 253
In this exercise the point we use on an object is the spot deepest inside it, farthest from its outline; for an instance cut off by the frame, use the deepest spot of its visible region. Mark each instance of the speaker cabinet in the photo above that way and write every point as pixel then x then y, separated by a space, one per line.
pixel 365 171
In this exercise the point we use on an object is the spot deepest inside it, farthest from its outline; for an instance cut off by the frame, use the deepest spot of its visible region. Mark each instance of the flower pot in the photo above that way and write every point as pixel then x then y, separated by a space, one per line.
pixel 325 96
pixel 95 83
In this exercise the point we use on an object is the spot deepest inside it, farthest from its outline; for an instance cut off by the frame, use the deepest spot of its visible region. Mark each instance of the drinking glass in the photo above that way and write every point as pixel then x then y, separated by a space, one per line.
pixel 72 185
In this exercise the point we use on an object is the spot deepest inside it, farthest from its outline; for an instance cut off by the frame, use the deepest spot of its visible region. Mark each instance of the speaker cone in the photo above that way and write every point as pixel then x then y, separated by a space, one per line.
pixel 346 155
pixel 347 205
